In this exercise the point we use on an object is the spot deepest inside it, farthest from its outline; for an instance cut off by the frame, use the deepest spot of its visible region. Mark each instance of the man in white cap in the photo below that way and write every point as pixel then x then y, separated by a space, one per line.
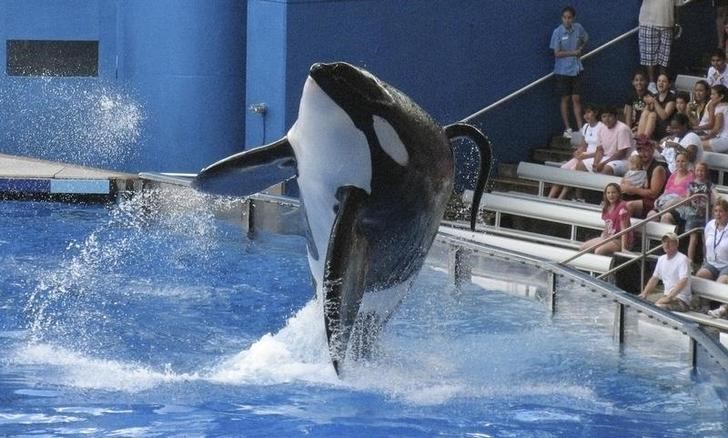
pixel 673 268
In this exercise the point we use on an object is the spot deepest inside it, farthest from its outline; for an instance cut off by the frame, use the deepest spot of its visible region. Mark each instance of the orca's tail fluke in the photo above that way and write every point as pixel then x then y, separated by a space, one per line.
pixel 457 130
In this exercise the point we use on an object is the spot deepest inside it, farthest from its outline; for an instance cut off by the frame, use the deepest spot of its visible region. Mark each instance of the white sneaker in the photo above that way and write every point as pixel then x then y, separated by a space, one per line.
pixel 568 133
pixel 719 312
pixel 652 88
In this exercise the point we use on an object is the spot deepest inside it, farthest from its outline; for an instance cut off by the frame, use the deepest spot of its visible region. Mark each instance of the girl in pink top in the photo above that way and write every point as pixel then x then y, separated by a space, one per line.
pixel 616 218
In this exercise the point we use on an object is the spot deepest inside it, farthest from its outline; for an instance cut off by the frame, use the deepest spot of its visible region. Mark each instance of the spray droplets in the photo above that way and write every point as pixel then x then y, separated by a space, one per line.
pixel 75 121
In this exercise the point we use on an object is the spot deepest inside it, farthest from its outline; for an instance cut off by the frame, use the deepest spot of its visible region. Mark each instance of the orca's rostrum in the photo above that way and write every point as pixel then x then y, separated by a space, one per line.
pixel 375 173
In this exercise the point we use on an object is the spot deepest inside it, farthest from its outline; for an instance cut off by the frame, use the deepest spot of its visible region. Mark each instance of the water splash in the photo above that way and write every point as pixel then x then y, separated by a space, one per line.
pixel 73 303
pixel 82 122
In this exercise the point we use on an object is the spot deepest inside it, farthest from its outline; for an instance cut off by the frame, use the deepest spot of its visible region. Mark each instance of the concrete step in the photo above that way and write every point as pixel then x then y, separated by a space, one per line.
pixel 546 154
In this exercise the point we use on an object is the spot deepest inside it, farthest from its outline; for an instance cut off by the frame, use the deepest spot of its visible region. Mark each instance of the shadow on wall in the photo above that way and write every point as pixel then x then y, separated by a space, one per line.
pixel 77 121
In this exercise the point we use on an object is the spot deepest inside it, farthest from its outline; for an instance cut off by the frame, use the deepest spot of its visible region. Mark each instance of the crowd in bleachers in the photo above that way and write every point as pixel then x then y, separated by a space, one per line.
pixel 655 142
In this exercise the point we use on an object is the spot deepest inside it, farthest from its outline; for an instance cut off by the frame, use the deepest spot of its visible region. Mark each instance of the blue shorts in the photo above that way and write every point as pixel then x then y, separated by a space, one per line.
pixel 714 272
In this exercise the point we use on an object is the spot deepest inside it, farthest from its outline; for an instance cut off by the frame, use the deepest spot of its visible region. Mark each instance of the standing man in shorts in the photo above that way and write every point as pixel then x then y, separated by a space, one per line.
pixel 567 42
pixel 656 32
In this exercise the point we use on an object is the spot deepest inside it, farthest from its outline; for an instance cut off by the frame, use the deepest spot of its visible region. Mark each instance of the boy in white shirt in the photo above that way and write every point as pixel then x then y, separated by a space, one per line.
pixel 717 73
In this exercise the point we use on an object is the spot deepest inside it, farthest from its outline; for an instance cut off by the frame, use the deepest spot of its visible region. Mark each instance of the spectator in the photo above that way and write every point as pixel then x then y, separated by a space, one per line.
pixel 584 154
pixel 567 42
pixel 717 73
pixel 715 266
pixel 642 200
pixel 682 100
pixel 656 31
pixel 673 268
pixel 635 104
pixel 717 138
pixel 636 175
pixel 696 108
pixel 616 218
pixel 693 214
pixel 681 138
pixel 707 122
pixel 676 188
pixel 615 143
pixel 658 110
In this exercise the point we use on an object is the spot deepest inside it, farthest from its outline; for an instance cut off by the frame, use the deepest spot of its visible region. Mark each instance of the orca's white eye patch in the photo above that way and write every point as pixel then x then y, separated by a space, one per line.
pixel 390 141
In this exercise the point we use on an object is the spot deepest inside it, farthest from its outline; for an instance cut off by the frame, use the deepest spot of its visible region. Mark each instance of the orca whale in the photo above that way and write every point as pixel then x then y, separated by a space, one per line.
pixel 375 173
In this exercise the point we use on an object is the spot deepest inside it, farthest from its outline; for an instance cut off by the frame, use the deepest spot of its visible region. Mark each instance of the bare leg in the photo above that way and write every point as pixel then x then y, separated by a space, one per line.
pixel 706 145
pixel 565 111
pixel 647 124
pixel 576 100
pixel 692 246
pixel 607 170
pixel 555 190
pixel 667 219
pixel 635 208
pixel 651 73
pixel 608 248
pixel 565 192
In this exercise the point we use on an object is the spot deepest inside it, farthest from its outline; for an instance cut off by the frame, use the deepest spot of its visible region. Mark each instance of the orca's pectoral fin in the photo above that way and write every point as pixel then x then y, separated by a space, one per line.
pixel 486 160
pixel 345 273
pixel 249 171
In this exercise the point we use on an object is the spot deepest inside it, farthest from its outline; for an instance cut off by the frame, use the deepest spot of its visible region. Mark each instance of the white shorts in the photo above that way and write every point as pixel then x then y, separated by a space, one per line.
pixel 619 167
pixel 719 144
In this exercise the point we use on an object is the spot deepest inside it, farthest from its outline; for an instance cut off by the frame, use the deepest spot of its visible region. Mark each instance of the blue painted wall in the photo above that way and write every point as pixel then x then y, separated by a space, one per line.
pixel 170 90
pixel 453 58
pixel 177 77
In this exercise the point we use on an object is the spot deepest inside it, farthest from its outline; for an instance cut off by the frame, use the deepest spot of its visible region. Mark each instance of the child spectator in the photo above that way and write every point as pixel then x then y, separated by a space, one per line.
pixel 616 218
pixel 656 31
pixel 658 110
pixel 673 268
pixel 693 214
pixel 567 42
pixel 615 144
pixel 584 154
pixel 682 100
pixel 635 176
pixel 635 103
pixel 717 73
pixel 717 138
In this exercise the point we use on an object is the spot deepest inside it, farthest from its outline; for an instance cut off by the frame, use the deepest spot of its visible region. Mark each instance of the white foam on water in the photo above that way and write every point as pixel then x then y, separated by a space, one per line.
pixel 298 352
pixel 77 370
pixel 20 418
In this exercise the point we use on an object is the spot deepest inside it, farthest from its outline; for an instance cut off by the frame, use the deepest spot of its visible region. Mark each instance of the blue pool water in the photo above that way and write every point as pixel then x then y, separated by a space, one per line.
pixel 128 321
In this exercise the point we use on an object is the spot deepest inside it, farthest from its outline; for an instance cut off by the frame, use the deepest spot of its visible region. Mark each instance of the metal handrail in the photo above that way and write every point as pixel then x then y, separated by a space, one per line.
pixel 548 76
pixel 642 224
pixel 545 78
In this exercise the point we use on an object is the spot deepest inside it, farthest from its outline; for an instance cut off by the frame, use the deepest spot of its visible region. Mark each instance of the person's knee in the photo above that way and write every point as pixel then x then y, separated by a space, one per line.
pixel 607 170
pixel 723 278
